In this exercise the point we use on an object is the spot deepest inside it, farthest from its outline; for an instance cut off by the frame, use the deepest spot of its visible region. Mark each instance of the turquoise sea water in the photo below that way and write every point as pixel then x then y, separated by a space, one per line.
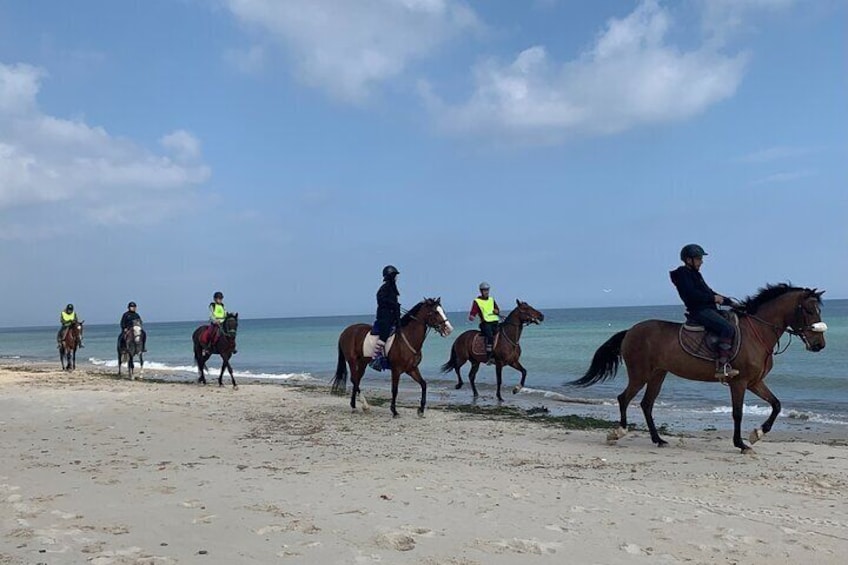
pixel 813 387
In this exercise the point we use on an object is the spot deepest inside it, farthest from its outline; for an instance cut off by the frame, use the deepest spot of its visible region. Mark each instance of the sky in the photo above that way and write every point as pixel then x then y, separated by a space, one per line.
pixel 284 151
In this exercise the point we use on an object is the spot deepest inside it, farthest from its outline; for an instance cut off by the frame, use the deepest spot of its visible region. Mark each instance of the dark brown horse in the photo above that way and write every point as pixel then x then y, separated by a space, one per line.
pixel 507 351
pixel 224 346
pixel 69 344
pixel 404 356
pixel 651 349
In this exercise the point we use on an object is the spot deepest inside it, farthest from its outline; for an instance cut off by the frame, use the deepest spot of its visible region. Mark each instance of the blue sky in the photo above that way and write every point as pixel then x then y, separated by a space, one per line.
pixel 284 151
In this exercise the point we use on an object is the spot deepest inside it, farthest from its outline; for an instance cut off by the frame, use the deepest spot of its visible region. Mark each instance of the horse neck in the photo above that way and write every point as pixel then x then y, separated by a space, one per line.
pixel 778 312
pixel 513 321
pixel 415 332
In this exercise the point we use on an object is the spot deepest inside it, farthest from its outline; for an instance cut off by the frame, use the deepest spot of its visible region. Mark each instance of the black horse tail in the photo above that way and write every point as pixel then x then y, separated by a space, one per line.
pixel 451 364
pixel 605 362
pixel 340 379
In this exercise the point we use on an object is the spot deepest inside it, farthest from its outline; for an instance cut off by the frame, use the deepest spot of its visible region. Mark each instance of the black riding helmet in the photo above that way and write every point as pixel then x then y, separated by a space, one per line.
pixel 131 305
pixel 69 308
pixel 692 251
pixel 218 294
pixel 390 271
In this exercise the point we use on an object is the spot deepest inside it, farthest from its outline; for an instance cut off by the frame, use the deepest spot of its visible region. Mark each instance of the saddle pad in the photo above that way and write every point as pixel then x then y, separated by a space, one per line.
pixel 696 341
pixel 478 345
pixel 370 344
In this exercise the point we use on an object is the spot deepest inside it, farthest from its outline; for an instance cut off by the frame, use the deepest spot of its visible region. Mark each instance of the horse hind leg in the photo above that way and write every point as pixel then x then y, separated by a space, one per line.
pixel 629 393
pixel 647 404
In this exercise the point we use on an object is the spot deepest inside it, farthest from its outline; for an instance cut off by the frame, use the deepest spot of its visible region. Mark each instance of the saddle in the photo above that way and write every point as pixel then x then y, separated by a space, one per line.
pixel 370 345
pixel 698 342
pixel 478 345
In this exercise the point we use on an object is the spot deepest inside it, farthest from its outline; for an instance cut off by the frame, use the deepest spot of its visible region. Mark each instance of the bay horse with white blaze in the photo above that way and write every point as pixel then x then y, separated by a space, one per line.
pixel 130 344
pixel 404 356
pixel 506 351
pixel 224 346
pixel 69 344
pixel 651 349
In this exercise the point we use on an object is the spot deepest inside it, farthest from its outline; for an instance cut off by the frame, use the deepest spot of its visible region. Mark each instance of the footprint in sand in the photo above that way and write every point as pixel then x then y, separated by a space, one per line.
pixel 520 546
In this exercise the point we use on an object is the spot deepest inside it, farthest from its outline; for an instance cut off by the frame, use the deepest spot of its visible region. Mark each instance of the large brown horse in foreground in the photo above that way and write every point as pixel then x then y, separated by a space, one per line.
pixel 507 351
pixel 225 347
pixel 68 346
pixel 404 356
pixel 651 349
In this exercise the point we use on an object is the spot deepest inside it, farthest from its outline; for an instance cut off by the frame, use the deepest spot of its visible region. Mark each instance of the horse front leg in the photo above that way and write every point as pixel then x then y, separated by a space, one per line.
pixel 472 377
pixel 624 399
pixel 416 376
pixel 517 366
pixel 230 371
pixel 737 399
pixel 395 382
pixel 760 389
pixel 141 366
pixel 74 360
pixel 499 378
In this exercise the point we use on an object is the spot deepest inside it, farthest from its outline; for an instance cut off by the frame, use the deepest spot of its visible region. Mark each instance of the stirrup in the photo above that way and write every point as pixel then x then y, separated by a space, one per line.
pixel 376 363
pixel 725 371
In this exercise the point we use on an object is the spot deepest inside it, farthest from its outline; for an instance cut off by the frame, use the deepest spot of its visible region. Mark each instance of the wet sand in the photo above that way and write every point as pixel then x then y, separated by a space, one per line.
pixel 99 470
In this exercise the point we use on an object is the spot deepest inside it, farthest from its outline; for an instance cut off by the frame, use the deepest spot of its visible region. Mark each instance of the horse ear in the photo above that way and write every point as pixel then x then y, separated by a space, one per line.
pixel 517 302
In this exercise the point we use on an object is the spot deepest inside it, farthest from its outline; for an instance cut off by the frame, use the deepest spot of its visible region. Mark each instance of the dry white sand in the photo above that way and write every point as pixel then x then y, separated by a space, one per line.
pixel 98 470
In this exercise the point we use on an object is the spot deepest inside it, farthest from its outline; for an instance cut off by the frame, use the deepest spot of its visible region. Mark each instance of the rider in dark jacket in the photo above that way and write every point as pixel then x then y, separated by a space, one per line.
pixel 127 321
pixel 701 303
pixel 388 313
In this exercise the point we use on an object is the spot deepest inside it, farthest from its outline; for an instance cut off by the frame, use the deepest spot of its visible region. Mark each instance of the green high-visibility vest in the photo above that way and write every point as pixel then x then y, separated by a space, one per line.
pixel 219 313
pixel 487 309
pixel 68 318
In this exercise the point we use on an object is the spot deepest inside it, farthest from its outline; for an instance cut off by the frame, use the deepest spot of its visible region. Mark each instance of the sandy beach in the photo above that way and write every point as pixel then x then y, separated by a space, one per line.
pixel 99 470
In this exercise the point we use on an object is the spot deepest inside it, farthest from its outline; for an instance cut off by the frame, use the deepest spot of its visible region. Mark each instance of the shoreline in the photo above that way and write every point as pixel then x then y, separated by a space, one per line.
pixel 544 403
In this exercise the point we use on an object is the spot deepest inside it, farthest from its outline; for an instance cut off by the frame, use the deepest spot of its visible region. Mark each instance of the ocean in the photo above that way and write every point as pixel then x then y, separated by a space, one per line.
pixel 813 387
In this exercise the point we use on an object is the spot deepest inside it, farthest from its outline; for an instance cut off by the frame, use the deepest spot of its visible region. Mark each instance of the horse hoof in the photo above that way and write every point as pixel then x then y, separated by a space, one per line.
pixel 516 389
pixel 235 387
pixel 420 412
pixel 662 443
pixel 458 386
pixel 366 409
pixel 756 435
pixel 616 434
pixel 747 451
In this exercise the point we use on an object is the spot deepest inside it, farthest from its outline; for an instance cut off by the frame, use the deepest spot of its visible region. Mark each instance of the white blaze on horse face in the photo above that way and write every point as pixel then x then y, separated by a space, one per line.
pixel 448 326
pixel 819 327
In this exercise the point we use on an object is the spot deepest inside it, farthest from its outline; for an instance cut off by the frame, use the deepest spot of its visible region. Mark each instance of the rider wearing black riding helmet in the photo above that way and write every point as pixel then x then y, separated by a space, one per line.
pixel 127 321
pixel 67 317
pixel 388 312
pixel 701 302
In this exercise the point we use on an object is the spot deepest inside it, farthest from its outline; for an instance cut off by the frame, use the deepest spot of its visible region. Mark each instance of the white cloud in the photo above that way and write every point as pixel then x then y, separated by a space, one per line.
pixel 50 164
pixel 783 177
pixel 777 153
pixel 249 61
pixel 183 144
pixel 349 47
pixel 723 19
pixel 628 77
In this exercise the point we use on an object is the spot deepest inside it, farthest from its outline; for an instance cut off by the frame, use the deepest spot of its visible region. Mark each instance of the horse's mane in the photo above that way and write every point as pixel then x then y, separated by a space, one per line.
pixel 410 315
pixel 768 293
